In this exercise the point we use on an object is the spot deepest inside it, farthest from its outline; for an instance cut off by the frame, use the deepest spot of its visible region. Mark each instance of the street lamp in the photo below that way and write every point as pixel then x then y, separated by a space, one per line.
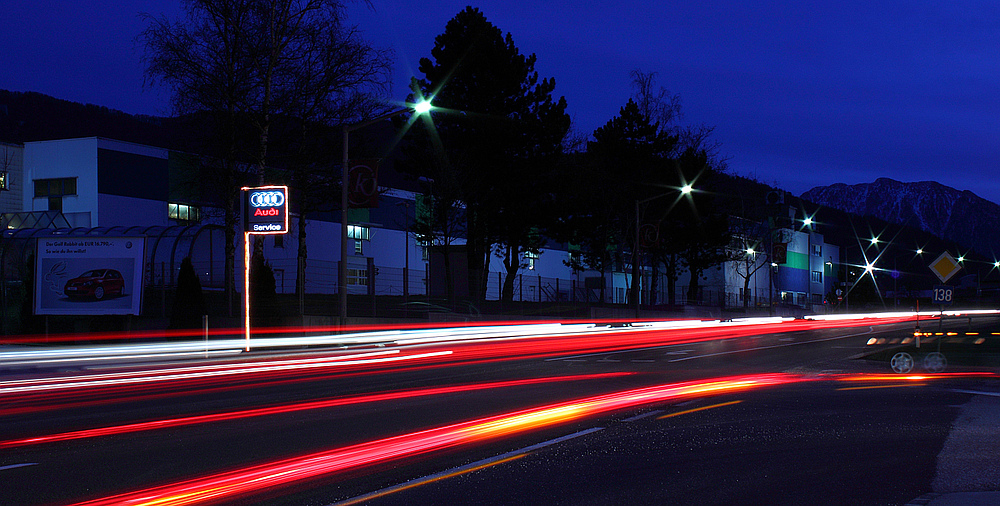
pixel 636 270
pixel 421 107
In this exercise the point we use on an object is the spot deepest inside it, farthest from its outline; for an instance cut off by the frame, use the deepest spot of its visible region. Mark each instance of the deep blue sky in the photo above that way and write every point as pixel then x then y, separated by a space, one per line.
pixel 800 95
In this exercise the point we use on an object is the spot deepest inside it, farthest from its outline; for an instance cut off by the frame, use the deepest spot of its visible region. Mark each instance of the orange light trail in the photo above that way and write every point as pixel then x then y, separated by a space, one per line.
pixel 914 377
pixel 228 485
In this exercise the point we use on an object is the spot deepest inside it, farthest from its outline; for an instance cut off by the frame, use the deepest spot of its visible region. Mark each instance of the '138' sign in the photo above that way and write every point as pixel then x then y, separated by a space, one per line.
pixel 943 294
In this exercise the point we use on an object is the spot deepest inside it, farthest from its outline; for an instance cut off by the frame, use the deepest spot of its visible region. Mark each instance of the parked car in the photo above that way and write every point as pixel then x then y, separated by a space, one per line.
pixel 96 283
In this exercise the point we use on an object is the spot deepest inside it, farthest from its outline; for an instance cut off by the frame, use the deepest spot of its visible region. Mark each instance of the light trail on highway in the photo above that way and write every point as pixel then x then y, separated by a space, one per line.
pixel 406 335
pixel 237 483
pixel 295 407
pixel 414 348
pixel 232 484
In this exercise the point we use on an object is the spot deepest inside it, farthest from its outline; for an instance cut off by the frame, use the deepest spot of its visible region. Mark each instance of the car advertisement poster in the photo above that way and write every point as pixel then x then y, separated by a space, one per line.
pixel 89 275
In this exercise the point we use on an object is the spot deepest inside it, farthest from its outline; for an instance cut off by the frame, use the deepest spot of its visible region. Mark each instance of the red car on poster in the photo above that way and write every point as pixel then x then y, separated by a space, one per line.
pixel 96 283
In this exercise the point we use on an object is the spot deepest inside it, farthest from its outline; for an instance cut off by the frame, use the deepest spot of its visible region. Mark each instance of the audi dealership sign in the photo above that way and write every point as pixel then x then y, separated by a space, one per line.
pixel 265 210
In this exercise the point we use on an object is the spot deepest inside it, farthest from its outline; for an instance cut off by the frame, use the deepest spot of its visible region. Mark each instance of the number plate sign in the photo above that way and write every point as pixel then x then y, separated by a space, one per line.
pixel 943 294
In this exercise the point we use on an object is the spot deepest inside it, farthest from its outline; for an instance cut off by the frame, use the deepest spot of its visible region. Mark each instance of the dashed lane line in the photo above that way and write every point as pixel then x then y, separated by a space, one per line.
pixel 975 392
pixel 643 415
pixel 456 471
pixel 15 466
pixel 870 330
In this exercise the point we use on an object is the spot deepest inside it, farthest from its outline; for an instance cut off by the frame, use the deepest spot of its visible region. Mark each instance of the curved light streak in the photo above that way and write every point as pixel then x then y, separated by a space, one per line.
pixel 232 484
pixel 17 387
pixel 292 408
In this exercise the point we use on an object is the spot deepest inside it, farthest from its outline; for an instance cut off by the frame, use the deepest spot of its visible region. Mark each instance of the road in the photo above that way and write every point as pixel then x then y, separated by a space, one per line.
pixel 767 413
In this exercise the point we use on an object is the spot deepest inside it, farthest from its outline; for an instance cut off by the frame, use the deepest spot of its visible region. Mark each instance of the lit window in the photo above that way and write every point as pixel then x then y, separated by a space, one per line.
pixel 358 247
pixel 358 232
pixel 817 250
pixel 183 212
pixel 357 277
pixel 531 257
pixel 817 277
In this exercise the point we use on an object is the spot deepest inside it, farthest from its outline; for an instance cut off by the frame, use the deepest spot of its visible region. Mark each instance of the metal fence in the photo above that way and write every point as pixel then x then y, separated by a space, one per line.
pixel 321 278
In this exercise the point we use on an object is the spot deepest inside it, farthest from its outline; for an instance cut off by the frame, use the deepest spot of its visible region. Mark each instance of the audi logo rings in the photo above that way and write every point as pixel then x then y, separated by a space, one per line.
pixel 267 199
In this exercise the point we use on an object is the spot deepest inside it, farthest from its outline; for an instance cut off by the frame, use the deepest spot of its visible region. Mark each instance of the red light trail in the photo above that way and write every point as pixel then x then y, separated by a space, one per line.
pixel 228 485
pixel 466 345
pixel 291 408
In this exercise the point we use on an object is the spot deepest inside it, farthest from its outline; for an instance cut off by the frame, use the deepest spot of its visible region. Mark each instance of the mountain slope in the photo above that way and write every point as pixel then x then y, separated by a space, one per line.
pixel 30 116
pixel 960 216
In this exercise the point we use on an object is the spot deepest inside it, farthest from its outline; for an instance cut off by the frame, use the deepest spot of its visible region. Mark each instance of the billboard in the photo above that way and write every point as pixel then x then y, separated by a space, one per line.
pixel 265 210
pixel 89 275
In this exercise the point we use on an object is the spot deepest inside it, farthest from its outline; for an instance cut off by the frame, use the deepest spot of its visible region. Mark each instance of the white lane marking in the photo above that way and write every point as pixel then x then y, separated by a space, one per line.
pixel 15 466
pixel 786 339
pixel 454 470
pixel 870 330
pixel 976 392
pixel 609 360
pixel 642 361
pixel 604 353
pixel 643 415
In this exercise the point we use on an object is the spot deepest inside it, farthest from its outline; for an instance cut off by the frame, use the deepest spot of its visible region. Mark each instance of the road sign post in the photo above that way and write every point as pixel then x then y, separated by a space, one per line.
pixel 944 267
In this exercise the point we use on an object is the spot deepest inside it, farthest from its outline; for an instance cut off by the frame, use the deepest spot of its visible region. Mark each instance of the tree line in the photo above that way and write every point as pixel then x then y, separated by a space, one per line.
pixel 267 81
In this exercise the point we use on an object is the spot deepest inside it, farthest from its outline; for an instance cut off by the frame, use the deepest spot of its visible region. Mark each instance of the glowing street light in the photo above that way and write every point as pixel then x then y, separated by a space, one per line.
pixel 636 269
pixel 421 107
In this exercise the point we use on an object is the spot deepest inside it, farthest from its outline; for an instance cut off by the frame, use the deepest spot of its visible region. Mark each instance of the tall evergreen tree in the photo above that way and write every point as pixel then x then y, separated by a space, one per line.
pixel 189 302
pixel 499 141
pixel 631 154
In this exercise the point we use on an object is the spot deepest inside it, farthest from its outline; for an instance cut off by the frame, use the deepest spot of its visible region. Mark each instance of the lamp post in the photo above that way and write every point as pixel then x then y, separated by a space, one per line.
pixel 807 226
pixel 420 107
pixel 636 268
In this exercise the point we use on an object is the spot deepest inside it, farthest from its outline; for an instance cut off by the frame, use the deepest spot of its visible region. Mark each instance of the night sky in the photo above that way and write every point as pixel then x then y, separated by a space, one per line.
pixel 800 95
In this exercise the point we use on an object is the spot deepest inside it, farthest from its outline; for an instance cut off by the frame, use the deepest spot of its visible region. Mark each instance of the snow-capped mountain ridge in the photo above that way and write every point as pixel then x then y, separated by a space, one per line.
pixel 961 216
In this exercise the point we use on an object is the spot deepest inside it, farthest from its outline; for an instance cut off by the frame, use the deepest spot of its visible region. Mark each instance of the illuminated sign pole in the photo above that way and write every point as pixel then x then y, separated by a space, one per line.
pixel 265 212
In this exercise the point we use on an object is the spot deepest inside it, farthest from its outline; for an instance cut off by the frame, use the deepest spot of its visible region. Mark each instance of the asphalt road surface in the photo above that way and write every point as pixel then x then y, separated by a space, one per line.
pixel 769 417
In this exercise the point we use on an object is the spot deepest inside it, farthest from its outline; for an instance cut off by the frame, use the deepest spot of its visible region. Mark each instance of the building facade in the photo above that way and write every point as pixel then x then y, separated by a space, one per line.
pixel 103 183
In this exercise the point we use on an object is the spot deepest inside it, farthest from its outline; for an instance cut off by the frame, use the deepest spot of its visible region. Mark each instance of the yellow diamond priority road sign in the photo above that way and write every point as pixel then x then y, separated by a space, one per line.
pixel 945 266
